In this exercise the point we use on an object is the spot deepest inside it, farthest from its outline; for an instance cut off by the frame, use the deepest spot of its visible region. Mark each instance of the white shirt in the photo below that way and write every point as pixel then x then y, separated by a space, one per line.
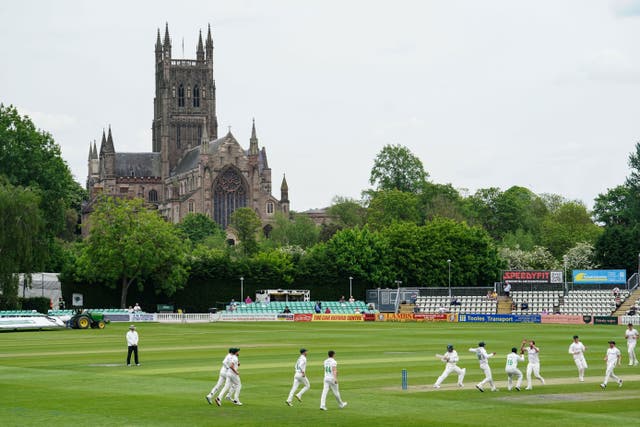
pixel 226 362
pixel 482 355
pixel 329 364
pixel 301 364
pixel 132 338
pixel 512 361
pixel 451 357
pixel 533 353
pixel 613 354
pixel 577 349
pixel 631 335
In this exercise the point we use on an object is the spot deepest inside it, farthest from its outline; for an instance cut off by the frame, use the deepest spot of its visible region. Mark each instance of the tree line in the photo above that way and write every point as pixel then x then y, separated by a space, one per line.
pixel 404 228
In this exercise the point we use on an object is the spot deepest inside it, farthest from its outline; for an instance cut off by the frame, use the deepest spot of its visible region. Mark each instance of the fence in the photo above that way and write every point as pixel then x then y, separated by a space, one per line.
pixel 186 318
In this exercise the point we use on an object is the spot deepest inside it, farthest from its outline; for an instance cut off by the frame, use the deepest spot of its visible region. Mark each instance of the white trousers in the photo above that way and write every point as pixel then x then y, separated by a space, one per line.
pixel 610 374
pixel 631 349
pixel 487 376
pixel 330 385
pixel 299 380
pixel 451 367
pixel 233 382
pixel 221 380
pixel 513 373
pixel 533 368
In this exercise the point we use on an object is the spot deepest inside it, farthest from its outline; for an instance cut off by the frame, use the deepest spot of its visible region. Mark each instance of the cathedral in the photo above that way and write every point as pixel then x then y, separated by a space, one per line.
pixel 189 169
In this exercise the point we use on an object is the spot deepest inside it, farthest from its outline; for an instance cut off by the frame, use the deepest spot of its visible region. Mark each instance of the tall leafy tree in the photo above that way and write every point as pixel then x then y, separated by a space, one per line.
pixel 566 226
pixel 387 207
pixel 246 223
pixel 197 227
pixel 23 247
pixel 130 244
pixel 347 213
pixel 397 168
pixel 294 230
pixel 29 157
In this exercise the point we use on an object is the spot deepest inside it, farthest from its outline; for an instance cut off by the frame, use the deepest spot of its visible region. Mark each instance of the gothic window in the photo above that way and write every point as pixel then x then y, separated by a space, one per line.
pixel 196 96
pixel 178 141
pixel 270 207
pixel 180 95
pixel 153 196
pixel 229 194
pixel 190 206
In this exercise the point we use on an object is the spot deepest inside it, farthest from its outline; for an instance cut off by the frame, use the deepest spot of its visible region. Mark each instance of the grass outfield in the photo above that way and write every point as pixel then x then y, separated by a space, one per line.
pixel 76 377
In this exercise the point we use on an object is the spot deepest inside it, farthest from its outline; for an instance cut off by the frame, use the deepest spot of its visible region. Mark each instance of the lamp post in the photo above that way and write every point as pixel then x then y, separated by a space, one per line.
pixel 241 288
pixel 350 286
pixel 449 262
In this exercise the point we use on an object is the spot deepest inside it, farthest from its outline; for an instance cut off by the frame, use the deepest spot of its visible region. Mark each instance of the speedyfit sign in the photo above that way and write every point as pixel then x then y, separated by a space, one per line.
pixel 532 276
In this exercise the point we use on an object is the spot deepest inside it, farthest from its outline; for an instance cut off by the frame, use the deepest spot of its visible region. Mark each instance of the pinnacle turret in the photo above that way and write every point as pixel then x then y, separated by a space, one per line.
pixel 167 42
pixel 209 45
pixel 109 146
pixel 253 142
pixel 103 142
pixel 200 49
pixel 284 190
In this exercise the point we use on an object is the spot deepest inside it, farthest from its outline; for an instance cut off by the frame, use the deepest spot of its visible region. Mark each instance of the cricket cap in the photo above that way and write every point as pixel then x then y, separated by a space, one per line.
pixel 481 344
pixel 303 350
pixel 449 347
pixel 132 327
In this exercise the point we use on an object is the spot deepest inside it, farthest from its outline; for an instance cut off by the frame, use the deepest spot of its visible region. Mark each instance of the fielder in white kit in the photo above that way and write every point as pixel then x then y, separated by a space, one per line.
pixel 533 366
pixel 222 377
pixel 511 368
pixel 577 349
pixel 300 378
pixel 612 358
pixel 483 359
pixel 331 382
pixel 233 380
pixel 451 360
pixel 631 335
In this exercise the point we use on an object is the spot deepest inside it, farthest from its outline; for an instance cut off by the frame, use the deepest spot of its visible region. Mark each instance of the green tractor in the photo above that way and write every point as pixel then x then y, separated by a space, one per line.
pixel 85 319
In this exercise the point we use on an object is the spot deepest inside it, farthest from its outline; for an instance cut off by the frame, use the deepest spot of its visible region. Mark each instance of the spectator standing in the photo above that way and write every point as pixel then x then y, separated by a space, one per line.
pixel 342 300
pixel 612 358
pixel 132 344
pixel 451 359
pixel 577 349
pixel 331 381
pixel 507 289
pixel 299 378
pixel 248 300
pixel 511 368
pixel 483 359
pixel 631 335
pixel 137 308
pixel 351 299
pixel 317 308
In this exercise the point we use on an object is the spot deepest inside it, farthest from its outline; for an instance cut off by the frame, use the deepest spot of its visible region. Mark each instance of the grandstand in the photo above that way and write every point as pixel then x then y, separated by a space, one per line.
pixel 477 304
pixel 299 307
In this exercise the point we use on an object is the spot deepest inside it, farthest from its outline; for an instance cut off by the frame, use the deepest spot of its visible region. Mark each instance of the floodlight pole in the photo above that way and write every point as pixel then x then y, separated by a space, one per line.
pixel 350 286
pixel 241 288
pixel 449 262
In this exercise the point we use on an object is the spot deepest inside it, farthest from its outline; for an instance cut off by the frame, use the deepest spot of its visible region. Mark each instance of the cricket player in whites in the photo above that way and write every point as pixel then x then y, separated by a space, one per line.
pixel 331 382
pixel 221 378
pixel 511 368
pixel 612 358
pixel 534 361
pixel 483 358
pixel 577 349
pixel 631 335
pixel 233 380
pixel 299 378
pixel 451 360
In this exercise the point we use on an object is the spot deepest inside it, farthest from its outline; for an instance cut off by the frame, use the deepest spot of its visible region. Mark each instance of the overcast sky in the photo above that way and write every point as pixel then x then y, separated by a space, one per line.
pixel 541 94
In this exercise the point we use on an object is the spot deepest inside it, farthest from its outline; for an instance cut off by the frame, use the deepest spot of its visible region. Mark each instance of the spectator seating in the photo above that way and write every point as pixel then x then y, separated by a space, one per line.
pixel 299 307
pixel 19 313
pixel 538 301
pixel 468 304
pixel 598 302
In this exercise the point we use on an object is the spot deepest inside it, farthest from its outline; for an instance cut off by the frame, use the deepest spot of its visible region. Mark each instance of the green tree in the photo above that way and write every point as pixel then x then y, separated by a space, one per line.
pixel 363 254
pixel 387 207
pixel 441 200
pixel 397 168
pixel 539 258
pixel 580 257
pixel 347 213
pixel 246 223
pixel 23 248
pixel 30 158
pixel 297 230
pixel 198 227
pixel 568 225
pixel 128 244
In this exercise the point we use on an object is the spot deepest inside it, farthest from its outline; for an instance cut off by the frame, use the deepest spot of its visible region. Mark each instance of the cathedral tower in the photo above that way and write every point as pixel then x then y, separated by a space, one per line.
pixel 184 106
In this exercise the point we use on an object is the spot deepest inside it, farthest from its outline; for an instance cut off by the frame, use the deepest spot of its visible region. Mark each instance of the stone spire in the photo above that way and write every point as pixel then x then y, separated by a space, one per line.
pixel 200 49
pixel 103 142
pixel 167 42
pixel 158 47
pixel 209 45
pixel 109 147
pixel 253 142
pixel 284 190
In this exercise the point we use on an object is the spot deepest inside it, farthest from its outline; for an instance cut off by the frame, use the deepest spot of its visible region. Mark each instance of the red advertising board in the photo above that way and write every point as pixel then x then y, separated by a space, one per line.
pixel 302 317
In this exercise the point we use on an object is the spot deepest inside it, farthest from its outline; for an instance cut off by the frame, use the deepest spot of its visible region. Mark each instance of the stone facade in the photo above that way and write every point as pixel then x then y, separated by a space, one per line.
pixel 189 168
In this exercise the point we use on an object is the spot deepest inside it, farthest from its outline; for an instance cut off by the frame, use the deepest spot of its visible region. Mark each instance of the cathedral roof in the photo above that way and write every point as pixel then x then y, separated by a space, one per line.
pixel 188 162
pixel 138 164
